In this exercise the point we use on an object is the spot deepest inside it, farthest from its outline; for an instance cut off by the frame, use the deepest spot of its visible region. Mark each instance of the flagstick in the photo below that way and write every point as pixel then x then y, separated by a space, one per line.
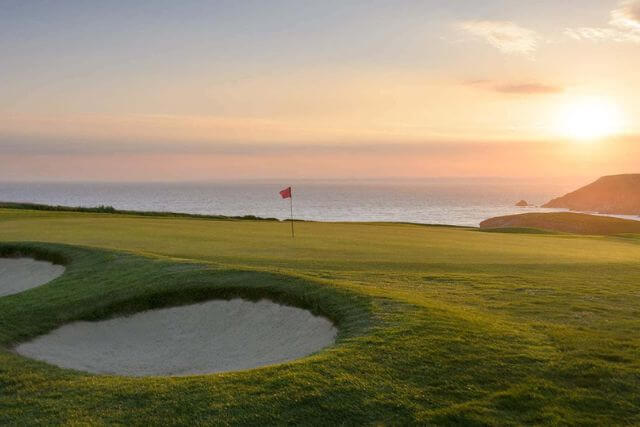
pixel 291 205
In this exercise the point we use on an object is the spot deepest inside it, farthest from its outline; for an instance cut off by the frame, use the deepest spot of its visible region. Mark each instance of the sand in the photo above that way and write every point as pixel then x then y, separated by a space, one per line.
pixel 20 274
pixel 214 336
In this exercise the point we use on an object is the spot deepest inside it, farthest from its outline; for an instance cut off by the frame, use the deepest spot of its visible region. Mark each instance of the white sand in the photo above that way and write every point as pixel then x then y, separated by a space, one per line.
pixel 19 274
pixel 214 336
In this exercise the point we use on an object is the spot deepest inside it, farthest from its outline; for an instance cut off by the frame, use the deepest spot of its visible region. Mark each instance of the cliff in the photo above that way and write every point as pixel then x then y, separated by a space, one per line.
pixel 615 194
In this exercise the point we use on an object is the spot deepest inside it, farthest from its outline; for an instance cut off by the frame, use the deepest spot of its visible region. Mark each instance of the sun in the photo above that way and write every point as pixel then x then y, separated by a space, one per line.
pixel 589 119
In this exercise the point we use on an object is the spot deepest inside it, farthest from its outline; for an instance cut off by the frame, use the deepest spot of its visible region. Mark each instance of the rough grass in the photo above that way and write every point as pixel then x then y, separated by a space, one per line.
pixel 438 325
pixel 564 222
pixel 112 210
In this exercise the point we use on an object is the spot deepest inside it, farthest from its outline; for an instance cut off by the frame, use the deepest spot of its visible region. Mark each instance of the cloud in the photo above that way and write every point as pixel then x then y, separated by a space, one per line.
pixel 505 36
pixel 525 88
pixel 624 26
pixel 627 15
pixel 528 88
pixel 500 158
pixel 11 146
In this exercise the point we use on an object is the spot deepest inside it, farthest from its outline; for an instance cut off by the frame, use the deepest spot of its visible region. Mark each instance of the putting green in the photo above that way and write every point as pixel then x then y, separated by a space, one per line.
pixel 436 324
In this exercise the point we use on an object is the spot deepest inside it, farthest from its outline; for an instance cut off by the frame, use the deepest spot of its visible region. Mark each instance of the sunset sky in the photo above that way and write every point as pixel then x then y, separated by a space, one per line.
pixel 194 90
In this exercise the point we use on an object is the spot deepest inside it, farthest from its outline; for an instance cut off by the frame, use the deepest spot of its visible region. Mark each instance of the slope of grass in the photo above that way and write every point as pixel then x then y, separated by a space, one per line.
pixel 564 222
pixel 438 325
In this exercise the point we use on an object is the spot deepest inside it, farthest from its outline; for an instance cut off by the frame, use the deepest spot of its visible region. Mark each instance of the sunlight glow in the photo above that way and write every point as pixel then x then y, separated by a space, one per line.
pixel 589 119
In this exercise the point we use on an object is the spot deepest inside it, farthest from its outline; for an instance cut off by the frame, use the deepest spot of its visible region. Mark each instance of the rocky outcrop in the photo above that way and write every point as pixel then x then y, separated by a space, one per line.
pixel 615 194
pixel 522 204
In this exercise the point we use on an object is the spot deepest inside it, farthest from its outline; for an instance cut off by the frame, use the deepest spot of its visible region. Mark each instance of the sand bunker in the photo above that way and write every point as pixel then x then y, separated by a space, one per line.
pixel 214 336
pixel 19 274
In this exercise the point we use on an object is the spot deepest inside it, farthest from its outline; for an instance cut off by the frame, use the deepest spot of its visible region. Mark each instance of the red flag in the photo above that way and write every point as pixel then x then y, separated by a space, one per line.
pixel 286 193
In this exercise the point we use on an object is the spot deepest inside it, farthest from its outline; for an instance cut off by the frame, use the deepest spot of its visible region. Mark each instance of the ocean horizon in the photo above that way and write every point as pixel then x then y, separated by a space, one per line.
pixel 454 201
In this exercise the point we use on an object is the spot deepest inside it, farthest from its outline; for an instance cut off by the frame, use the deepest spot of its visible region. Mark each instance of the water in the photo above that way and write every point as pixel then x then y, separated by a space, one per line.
pixel 430 201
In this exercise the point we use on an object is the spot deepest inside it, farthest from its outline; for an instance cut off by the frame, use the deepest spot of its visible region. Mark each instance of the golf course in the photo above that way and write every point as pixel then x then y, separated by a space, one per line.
pixel 435 324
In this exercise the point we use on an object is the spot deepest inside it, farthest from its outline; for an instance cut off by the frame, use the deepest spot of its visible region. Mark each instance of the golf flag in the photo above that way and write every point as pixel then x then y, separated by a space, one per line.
pixel 286 193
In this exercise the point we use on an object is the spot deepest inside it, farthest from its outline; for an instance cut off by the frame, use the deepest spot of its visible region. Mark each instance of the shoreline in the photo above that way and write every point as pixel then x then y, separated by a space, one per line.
pixel 105 209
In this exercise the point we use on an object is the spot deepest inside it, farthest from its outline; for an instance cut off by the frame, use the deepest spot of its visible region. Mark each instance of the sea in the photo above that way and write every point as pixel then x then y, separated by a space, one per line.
pixel 454 201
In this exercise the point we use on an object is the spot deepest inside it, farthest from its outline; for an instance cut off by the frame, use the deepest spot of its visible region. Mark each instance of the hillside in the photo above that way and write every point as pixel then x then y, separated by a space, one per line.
pixel 615 194
pixel 564 222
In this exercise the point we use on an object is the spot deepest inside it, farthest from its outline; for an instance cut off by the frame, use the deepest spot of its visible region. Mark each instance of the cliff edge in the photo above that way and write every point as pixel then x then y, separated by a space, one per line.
pixel 615 194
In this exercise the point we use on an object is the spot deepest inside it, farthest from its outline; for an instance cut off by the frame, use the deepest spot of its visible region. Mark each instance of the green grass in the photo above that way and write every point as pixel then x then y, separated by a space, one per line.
pixel 563 222
pixel 438 325
pixel 518 230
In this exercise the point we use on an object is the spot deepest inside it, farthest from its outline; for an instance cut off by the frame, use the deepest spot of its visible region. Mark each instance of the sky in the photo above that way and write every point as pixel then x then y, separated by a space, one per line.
pixel 199 90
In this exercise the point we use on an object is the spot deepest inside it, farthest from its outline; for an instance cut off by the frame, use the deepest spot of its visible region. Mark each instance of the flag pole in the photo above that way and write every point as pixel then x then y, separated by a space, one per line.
pixel 291 206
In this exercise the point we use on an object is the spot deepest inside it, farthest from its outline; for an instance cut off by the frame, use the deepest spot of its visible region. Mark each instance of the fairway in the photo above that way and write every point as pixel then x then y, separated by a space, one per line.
pixel 435 324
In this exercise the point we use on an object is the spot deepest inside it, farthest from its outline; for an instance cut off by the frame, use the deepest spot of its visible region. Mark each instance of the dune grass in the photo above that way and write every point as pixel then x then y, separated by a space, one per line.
pixel 437 324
